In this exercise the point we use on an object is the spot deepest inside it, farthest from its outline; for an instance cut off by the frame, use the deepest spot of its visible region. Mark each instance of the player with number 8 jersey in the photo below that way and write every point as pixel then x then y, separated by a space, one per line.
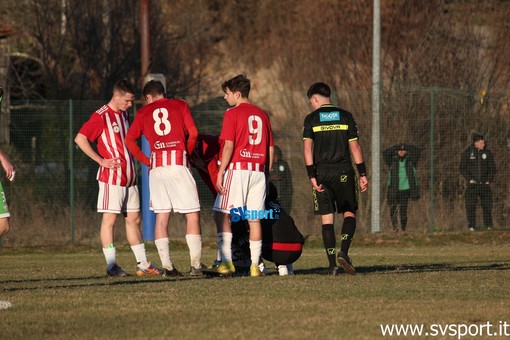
pixel 171 132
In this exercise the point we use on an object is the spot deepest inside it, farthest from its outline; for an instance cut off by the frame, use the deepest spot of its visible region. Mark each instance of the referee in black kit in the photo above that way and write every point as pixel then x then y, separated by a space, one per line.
pixel 330 136
pixel 478 168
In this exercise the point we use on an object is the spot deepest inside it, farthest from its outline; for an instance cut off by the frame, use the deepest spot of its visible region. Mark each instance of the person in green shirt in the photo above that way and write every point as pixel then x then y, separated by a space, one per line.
pixel 402 182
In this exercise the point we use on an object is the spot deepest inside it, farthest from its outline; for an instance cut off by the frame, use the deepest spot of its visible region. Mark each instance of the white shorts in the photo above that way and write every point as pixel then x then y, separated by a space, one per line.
pixel 173 188
pixel 117 199
pixel 244 188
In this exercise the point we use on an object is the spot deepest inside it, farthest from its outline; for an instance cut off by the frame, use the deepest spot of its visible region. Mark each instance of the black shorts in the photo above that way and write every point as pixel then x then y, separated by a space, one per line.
pixel 340 192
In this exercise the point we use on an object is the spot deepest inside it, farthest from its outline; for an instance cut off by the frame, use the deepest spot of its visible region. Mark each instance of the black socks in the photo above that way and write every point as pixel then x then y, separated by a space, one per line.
pixel 328 238
pixel 348 229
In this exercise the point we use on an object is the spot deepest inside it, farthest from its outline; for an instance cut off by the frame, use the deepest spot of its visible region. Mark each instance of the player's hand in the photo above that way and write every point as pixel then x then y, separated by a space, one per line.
pixel 363 183
pixel 10 173
pixel 316 186
pixel 111 163
pixel 10 176
pixel 219 184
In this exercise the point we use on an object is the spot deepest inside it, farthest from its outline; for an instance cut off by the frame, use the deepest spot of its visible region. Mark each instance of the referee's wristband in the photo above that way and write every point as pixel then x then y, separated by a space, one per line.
pixel 362 169
pixel 310 170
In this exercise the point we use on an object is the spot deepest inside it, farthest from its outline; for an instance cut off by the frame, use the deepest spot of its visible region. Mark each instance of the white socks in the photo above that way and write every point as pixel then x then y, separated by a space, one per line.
pixel 226 247
pixel 140 255
pixel 163 246
pixel 219 243
pixel 195 249
pixel 109 255
pixel 255 251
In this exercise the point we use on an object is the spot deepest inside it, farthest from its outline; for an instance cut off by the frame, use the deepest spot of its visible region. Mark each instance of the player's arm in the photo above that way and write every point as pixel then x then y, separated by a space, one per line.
pixel 310 167
pixel 133 134
pixel 7 165
pixel 271 157
pixel 226 155
pixel 84 144
pixel 271 148
pixel 360 163
pixel 191 130
pixel 135 150
pixel 192 139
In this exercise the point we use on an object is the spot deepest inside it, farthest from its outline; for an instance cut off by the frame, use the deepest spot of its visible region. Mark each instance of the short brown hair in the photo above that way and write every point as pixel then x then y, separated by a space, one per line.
pixel 239 84
pixel 123 86
pixel 154 88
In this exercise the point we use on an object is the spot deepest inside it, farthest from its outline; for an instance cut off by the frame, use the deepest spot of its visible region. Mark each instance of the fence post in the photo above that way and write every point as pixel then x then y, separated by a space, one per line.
pixel 375 184
pixel 148 216
pixel 432 155
pixel 71 169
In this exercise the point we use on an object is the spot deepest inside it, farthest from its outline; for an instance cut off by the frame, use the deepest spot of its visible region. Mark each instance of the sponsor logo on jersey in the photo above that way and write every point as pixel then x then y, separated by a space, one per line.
pixel 333 127
pixel 329 116
pixel 163 145
pixel 245 153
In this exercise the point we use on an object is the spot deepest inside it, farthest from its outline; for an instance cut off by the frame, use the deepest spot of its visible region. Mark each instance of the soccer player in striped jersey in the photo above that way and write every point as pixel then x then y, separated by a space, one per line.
pixel 247 156
pixel 171 132
pixel 118 193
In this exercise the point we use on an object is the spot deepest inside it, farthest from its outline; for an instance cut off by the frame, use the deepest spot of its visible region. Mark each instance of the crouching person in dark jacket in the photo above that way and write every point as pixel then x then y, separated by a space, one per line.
pixel 282 243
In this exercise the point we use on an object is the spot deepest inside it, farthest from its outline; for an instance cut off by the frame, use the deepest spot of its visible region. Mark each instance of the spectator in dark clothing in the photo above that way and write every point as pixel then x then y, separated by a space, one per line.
pixel 402 182
pixel 478 168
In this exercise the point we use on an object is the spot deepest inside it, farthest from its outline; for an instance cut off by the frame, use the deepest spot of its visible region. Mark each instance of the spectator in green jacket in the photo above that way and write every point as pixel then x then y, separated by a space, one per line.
pixel 402 182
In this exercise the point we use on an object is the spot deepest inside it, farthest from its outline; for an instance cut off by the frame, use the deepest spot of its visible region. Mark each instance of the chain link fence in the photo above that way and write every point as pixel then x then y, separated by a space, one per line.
pixel 53 199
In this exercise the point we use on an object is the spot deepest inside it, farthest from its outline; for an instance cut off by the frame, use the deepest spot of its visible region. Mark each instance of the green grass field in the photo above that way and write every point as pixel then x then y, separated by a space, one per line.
pixel 431 279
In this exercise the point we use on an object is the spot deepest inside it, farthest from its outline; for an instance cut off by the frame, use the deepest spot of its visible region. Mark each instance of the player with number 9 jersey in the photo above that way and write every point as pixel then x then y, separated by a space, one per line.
pixel 246 157
pixel 250 130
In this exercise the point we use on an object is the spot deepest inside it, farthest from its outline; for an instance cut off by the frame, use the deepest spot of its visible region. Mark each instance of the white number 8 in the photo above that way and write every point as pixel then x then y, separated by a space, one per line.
pixel 163 120
pixel 255 128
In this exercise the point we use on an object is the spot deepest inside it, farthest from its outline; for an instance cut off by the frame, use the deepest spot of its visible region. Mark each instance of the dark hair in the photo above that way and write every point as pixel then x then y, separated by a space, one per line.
pixel 123 86
pixel 477 137
pixel 239 84
pixel 154 88
pixel 321 89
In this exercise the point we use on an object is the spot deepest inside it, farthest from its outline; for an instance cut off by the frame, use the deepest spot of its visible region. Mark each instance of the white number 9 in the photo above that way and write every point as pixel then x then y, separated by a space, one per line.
pixel 255 129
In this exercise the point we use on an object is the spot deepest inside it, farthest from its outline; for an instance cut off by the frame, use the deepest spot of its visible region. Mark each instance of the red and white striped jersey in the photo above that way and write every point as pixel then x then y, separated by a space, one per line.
pixel 108 129
pixel 250 130
pixel 170 130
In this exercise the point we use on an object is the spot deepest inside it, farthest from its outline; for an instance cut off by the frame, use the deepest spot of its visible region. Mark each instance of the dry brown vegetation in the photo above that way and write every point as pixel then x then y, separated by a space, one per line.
pixel 436 58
